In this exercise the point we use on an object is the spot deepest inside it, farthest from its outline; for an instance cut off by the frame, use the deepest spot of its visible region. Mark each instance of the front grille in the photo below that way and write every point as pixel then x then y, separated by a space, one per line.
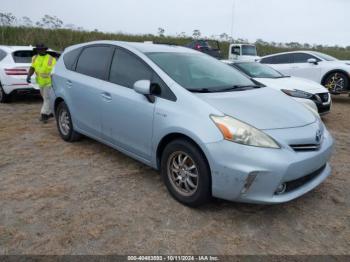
pixel 306 147
pixel 295 184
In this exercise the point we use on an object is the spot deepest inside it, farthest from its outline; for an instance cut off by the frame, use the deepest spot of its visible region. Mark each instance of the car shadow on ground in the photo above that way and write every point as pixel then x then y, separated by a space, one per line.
pixel 342 99
pixel 26 99
pixel 213 206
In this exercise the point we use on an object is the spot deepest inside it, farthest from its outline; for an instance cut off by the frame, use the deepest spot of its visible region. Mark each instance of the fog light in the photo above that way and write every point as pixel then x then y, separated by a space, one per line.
pixel 281 189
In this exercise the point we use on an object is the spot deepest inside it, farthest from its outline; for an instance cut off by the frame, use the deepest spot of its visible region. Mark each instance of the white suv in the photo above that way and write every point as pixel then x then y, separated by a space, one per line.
pixel 14 64
pixel 334 74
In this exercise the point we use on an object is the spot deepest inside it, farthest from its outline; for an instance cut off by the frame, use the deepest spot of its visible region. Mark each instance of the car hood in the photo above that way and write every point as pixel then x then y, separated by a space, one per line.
pixel 263 108
pixel 292 83
pixel 340 64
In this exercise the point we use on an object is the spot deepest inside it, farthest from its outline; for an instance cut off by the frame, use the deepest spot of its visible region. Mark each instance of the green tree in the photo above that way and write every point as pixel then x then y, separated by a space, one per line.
pixel 50 22
pixel 7 19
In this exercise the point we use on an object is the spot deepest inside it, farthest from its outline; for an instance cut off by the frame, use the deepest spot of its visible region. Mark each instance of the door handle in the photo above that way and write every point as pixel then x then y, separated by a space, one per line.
pixel 106 96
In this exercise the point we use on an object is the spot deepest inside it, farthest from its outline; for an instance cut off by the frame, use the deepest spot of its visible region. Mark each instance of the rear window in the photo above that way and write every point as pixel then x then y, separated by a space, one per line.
pixel 25 56
pixel 2 54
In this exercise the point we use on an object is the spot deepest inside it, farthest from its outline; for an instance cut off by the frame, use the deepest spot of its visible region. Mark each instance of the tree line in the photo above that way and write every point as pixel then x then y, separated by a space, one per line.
pixel 52 30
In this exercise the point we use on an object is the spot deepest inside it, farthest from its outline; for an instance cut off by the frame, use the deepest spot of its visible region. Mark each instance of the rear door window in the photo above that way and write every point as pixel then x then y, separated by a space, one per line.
pixel 94 61
pixel 268 60
pixel 278 59
pixel 127 69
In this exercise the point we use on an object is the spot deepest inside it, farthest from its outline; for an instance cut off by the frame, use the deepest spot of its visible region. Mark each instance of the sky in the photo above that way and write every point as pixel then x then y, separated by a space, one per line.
pixel 306 21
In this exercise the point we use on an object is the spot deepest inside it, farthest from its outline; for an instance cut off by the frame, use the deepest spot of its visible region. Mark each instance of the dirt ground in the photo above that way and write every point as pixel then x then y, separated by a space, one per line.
pixel 85 198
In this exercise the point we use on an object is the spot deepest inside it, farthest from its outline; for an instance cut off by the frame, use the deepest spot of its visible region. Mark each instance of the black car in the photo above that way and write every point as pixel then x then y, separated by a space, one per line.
pixel 210 47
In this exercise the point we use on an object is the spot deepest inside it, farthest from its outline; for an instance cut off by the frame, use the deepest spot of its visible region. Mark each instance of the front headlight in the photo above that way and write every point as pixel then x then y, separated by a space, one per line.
pixel 297 93
pixel 241 133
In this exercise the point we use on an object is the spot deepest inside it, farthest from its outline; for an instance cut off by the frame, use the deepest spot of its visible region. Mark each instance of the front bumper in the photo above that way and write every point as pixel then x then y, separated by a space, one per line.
pixel 233 166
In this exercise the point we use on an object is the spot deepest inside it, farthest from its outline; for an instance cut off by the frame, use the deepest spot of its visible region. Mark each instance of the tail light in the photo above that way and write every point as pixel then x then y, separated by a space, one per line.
pixel 198 47
pixel 16 71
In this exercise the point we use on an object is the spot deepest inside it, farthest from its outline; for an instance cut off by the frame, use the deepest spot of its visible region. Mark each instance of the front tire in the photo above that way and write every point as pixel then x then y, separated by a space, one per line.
pixel 4 98
pixel 186 173
pixel 337 83
pixel 64 124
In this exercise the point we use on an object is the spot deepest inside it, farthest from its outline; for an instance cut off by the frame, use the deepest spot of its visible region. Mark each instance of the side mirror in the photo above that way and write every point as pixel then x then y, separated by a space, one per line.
pixel 143 87
pixel 312 61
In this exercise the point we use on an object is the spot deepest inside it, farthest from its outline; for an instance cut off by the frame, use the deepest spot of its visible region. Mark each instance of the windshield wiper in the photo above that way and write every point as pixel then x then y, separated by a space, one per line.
pixel 232 88
pixel 238 87
pixel 282 76
pixel 200 90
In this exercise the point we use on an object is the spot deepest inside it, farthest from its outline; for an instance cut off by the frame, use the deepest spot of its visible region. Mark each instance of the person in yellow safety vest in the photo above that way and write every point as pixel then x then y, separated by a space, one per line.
pixel 42 65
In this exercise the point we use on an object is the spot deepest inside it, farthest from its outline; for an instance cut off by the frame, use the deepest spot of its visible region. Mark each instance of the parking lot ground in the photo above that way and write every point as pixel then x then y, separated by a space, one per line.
pixel 86 198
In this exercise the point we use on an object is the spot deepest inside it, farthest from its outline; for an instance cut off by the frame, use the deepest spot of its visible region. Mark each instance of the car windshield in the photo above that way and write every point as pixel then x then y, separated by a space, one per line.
pixel 198 72
pixel 249 50
pixel 258 70
pixel 325 57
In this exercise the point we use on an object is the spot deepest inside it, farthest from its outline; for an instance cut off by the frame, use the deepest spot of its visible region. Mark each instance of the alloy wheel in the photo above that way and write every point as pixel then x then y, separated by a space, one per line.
pixel 336 83
pixel 64 122
pixel 183 173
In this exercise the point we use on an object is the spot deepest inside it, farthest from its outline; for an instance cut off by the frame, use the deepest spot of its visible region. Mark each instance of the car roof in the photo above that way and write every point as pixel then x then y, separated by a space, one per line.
pixel 12 48
pixel 291 52
pixel 231 62
pixel 141 47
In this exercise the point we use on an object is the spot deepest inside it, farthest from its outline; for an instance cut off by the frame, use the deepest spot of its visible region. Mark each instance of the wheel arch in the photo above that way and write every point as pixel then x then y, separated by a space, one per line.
pixel 332 72
pixel 57 102
pixel 174 136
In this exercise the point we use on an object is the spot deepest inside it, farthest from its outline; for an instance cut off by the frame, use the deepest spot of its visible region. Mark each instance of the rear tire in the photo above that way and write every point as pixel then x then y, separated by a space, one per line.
pixel 64 124
pixel 186 173
pixel 4 98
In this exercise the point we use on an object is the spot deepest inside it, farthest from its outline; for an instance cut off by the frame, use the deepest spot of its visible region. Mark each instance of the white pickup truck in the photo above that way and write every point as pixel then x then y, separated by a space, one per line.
pixel 242 52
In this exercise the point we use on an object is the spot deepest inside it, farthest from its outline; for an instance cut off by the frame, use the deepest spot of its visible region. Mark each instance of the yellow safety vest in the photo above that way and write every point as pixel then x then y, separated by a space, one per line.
pixel 43 66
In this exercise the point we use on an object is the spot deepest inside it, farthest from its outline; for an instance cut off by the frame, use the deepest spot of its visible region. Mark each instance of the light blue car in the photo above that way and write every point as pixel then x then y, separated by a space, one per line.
pixel 209 129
